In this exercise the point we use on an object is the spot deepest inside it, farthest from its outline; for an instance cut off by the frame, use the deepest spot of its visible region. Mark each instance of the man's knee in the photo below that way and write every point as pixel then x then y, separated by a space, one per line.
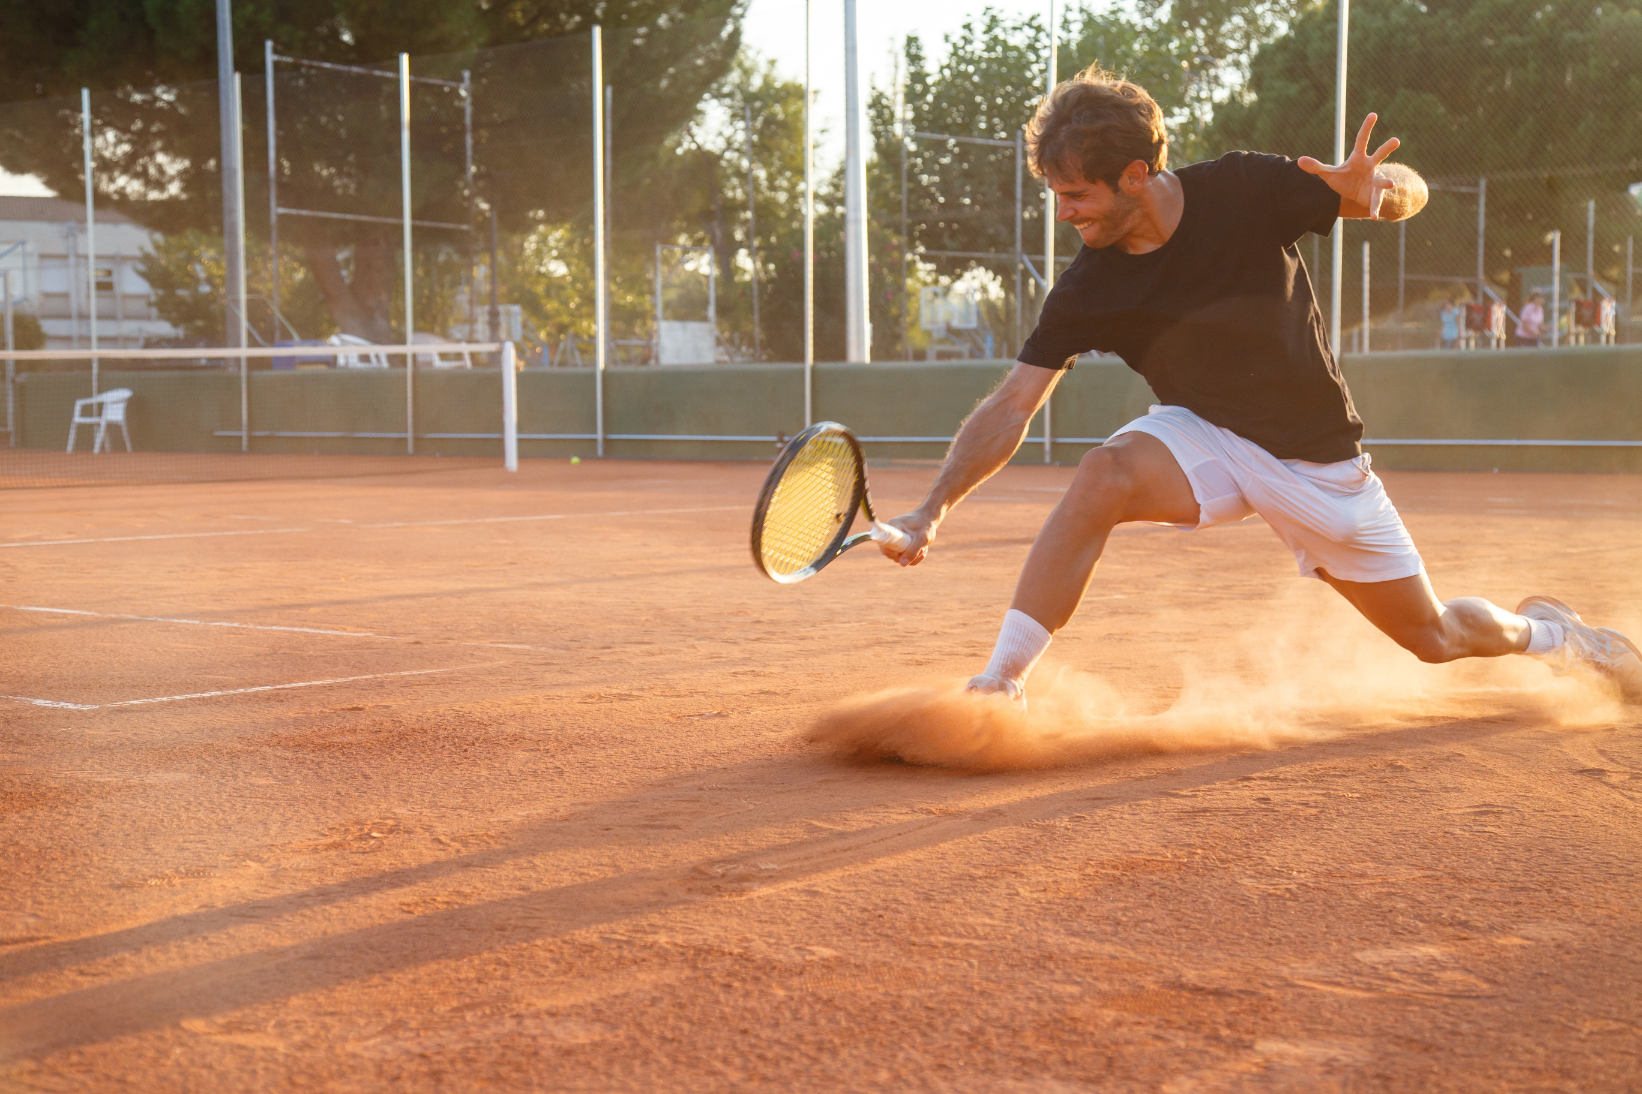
pixel 1106 480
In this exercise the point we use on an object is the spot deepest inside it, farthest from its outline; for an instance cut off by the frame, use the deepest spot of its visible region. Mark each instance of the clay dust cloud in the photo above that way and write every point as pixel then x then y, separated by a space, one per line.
pixel 1240 702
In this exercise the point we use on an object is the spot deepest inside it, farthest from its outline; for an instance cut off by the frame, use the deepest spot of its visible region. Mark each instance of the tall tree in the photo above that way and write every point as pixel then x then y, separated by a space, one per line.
pixel 155 111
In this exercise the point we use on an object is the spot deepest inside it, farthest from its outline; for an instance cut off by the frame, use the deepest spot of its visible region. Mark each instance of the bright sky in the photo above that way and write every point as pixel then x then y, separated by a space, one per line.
pixel 775 28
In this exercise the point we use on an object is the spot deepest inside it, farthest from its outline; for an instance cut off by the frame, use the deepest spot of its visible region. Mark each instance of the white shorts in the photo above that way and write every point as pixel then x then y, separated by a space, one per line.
pixel 1333 516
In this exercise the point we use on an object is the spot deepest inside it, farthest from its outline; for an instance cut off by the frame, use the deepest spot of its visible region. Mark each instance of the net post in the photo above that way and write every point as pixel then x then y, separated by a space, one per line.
pixel 510 409
pixel 405 231
pixel 599 303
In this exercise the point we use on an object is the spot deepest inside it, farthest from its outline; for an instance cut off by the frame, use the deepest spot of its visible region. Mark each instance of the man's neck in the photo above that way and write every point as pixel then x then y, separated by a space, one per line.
pixel 1161 206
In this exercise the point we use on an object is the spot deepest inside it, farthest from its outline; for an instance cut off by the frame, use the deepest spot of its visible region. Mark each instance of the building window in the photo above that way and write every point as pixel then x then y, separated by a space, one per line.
pixel 105 279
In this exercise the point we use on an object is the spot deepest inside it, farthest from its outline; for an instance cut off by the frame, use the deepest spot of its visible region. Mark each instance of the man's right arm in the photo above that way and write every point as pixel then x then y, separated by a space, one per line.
pixel 985 442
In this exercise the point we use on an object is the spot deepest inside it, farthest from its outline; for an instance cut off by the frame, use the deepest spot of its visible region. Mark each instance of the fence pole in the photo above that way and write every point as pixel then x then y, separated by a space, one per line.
pixel 273 187
pixel 242 323
pixel 599 274
pixel 809 231
pixel 752 231
pixel 1049 208
pixel 609 227
pixel 857 293
pixel 1339 244
pixel 11 365
pixel 91 232
pixel 906 246
pixel 1020 213
pixel 1402 253
pixel 658 303
pixel 510 409
pixel 1366 314
pixel 1556 287
pixel 405 231
pixel 228 139
pixel 1482 232
pixel 1590 249
pixel 1630 300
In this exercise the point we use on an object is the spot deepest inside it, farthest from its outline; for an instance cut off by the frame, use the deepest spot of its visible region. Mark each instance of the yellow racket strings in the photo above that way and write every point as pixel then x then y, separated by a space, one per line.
pixel 810 503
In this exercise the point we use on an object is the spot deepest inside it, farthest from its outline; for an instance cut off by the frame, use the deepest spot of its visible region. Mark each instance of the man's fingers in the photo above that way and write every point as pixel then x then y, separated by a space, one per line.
pixel 1385 150
pixel 1361 145
pixel 1313 167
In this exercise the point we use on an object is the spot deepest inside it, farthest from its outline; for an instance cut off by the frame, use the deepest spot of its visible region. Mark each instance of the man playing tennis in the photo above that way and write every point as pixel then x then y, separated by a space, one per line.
pixel 1193 277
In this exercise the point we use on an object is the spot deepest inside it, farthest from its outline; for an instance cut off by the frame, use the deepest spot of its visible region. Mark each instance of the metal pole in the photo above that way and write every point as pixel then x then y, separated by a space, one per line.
pixel 494 317
pixel 510 409
pixel 241 325
pixel 1590 249
pixel 1630 299
pixel 598 238
pixel 609 187
pixel 1402 253
pixel 405 233
pixel 1020 213
pixel 1482 235
pixel 906 248
pixel 273 184
pixel 228 134
pixel 472 197
pixel 1366 315
pixel 857 308
pixel 1049 237
pixel 658 303
pixel 1556 286
pixel 809 229
pixel 91 232
pixel 752 230
pixel 11 365
pixel 1339 242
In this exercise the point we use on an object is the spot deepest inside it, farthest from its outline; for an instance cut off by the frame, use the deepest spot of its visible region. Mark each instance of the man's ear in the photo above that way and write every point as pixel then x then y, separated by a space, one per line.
pixel 1133 179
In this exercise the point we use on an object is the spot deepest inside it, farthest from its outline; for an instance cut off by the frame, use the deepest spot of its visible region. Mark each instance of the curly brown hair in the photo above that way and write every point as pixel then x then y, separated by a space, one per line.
pixel 1095 125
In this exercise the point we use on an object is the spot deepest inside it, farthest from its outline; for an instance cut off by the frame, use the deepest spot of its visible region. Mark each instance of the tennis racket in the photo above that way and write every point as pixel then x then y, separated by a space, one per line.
pixel 804 513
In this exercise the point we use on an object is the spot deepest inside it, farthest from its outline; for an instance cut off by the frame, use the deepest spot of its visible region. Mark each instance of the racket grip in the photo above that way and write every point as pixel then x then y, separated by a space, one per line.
pixel 890 535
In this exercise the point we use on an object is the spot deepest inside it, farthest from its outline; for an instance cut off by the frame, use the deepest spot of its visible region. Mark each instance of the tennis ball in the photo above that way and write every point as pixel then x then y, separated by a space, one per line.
pixel 575 459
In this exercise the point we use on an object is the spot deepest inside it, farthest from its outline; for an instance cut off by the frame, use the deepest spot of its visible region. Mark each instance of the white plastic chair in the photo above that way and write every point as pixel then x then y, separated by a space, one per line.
pixel 101 411
pixel 357 360
pixel 439 360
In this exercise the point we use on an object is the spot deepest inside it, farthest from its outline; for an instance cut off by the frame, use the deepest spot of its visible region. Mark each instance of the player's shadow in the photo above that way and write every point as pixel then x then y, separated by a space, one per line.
pixel 116 1008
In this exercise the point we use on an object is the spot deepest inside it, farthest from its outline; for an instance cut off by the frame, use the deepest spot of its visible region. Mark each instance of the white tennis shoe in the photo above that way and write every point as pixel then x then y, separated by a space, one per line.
pixel 1600 650
pixel 991 685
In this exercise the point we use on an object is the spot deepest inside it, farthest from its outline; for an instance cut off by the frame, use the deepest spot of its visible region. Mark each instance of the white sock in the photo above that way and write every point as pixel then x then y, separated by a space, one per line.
pixel 1021 641
pixel 1544 636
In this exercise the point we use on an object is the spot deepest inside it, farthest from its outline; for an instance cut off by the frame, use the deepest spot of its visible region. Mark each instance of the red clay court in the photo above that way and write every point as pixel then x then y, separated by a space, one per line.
pixel 458 780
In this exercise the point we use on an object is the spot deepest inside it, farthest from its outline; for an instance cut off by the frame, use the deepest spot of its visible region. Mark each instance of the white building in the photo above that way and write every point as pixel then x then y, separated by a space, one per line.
pixel 43 245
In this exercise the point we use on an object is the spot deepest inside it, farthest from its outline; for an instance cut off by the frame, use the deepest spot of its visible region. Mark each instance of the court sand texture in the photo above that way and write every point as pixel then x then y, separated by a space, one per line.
pixel 460 781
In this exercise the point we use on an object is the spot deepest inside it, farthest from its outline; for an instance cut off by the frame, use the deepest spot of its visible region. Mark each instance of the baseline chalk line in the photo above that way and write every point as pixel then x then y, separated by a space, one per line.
pixel 551 516
pixel 243 691
pixel 172 535
pixel 201 622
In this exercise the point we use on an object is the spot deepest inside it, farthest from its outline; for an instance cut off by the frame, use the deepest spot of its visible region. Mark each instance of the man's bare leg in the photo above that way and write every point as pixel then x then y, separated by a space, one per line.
pixel 1408 612
pixel 1132 477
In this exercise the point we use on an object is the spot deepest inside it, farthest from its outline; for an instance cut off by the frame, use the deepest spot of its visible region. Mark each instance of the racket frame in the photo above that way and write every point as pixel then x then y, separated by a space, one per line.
pixel 861 500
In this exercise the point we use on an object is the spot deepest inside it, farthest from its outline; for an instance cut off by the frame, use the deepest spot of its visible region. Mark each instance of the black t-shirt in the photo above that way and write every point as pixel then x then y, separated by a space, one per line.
pixel 1221 319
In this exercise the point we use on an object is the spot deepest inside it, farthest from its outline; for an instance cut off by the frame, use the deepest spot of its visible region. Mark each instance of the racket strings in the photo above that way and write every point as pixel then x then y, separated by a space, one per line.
pixel 811 502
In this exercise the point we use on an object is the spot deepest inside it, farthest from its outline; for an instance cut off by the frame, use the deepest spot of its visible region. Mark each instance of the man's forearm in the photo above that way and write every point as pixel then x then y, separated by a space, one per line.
pixel 983 445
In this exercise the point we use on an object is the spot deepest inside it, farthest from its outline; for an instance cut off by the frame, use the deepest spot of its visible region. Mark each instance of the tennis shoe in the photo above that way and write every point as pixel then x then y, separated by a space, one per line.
pixel 1599 650
pixel 1014 690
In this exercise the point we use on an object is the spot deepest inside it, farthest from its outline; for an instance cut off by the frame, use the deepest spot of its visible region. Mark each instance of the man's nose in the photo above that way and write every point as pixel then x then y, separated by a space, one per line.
pixel 1063 208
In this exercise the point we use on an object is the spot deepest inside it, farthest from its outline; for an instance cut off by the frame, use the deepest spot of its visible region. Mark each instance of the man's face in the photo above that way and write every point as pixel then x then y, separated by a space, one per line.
pixel 1101 214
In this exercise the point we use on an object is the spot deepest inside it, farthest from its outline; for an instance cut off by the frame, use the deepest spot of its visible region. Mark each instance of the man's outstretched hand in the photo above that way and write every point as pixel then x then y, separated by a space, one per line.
pixel 1360 185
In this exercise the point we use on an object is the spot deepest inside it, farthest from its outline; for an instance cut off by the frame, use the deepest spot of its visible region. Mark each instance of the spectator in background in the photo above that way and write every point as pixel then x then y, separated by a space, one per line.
pixel 1531 324
pixel 1450 316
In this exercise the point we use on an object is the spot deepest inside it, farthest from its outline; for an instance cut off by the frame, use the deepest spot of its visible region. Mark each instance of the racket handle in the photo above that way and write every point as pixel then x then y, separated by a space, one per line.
pixel 890 535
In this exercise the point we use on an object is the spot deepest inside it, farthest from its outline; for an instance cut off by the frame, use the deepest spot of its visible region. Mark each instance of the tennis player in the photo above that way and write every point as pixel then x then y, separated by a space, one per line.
pixel 1194 278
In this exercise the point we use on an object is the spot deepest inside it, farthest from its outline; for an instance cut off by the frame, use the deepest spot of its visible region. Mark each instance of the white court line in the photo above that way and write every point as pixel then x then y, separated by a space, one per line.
pixel 200 622
pixel 249 627
pixel 391 524
pixel 551 516
pixel 240 691
pixel 173 535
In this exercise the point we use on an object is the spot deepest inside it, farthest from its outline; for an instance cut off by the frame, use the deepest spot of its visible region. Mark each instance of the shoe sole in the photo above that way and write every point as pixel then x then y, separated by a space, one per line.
pixel 1630 690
